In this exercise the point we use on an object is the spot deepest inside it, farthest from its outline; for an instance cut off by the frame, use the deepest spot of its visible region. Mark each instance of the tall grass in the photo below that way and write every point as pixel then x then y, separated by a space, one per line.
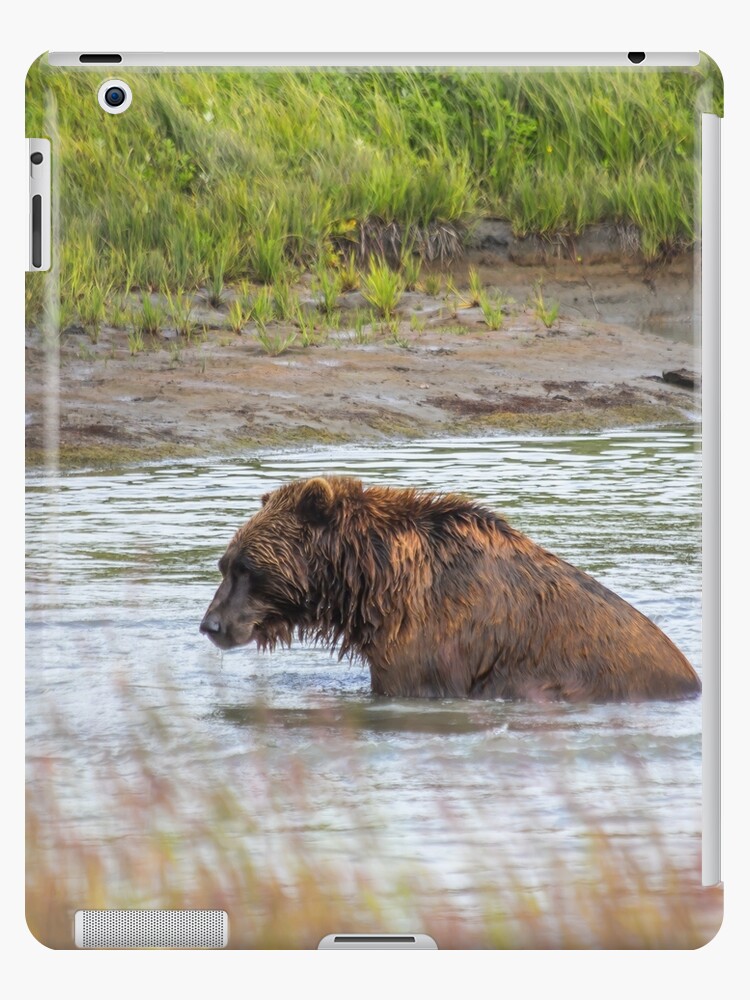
pixel 231 175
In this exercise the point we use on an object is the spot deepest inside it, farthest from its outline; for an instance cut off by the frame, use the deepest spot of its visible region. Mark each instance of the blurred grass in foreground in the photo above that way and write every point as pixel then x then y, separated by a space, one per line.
pixel 158 834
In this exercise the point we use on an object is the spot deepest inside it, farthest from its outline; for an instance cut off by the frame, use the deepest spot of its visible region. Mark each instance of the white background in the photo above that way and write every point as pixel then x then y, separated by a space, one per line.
pixel 30 970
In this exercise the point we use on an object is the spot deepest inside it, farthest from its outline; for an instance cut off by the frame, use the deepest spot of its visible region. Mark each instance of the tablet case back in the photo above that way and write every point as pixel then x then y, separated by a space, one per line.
pixel 364 506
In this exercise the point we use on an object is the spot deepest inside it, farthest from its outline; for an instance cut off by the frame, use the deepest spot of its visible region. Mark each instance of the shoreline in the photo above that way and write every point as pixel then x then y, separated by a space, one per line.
pixel 435 369
pixel 74 458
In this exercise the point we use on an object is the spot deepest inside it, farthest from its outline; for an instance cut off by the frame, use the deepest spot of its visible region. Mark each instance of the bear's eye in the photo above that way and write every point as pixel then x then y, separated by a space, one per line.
pixel 250 569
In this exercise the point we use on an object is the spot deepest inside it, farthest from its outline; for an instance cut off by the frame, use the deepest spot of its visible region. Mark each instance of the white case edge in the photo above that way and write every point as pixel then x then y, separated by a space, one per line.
pixel 711 420
pixel 378 59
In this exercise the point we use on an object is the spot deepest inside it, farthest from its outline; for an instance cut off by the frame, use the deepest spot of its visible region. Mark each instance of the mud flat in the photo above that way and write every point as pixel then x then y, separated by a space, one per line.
pixel 437 370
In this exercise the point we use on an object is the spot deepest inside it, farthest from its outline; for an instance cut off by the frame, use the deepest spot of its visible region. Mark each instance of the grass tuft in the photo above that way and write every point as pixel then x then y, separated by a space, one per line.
pixel 275 342
pixel 92 309
pixel 150 317
pixel 237 316
pixel 135 342
pixel 308 335
pixel 328 286
pixel 476 290
pixel 382 287
pixel 215 282
pixel 411 268
pixel 492 310
pixel 180 308
pixel 547 313
pixel 262 308
pixel 349 272
pixel 433 284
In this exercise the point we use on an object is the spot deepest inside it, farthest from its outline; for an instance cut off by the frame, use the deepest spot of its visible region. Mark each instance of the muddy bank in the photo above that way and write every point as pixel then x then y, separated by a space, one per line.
pixel 593 276
pixel 437 369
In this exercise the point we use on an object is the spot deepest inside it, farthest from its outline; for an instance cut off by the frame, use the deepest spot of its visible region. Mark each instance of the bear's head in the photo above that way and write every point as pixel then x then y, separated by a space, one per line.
pixel 265 593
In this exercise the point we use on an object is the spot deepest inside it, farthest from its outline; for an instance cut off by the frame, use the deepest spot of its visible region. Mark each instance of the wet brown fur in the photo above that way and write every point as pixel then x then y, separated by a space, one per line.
pixel 441 598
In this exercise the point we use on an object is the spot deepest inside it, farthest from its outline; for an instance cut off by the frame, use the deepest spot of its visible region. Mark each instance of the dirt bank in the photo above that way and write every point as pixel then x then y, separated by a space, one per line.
pixel 439 370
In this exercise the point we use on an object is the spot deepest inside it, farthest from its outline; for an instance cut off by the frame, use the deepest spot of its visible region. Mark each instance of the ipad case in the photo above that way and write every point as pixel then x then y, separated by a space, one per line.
pixel 372 501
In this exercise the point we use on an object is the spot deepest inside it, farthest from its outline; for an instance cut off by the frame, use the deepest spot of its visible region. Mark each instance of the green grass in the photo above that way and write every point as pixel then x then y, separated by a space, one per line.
pixel 212 178
pixel 285 300
pixel 118 313
pixel 432 284
pixel 411 268
pixel 328 286
pixel 232 174
pixel 393 329
pixel 492 311
pixel 476 289
pixel 150 317
pixel 34 290
pixel 237 316
pixel 360 323
pixel 215 282
pixel 262 308
pixel 59 316
pixel 92 309
pixel 308 335
pixel 275 342
pixel 267 254
pixel 382 288
pixel 546 312
pixel 349 272
pixel 135 342
pixel 180 308
pixel 245 298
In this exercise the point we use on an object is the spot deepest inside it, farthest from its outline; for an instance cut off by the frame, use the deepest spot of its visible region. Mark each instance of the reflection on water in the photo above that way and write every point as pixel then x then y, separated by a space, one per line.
pixel 122 565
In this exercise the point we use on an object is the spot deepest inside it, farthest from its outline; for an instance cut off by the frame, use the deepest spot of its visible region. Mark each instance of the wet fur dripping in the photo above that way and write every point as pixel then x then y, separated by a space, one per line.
pixel 438 595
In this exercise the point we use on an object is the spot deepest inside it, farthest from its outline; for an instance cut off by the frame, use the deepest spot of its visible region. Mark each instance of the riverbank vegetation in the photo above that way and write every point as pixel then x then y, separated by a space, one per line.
pixel 213 178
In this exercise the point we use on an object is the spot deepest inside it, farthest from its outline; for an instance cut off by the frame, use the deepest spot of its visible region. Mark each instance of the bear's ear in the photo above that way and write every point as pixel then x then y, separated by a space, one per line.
pixel 315 501
pixel 264 499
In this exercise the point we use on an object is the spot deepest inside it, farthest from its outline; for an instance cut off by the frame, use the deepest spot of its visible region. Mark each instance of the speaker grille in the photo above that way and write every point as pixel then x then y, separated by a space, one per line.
pixel 151 929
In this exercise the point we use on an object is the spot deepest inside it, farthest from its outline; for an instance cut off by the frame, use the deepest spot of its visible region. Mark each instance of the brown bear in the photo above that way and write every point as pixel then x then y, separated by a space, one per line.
pixel 440 596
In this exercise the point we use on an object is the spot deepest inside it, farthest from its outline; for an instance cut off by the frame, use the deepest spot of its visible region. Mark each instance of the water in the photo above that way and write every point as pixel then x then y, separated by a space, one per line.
pixel 126 698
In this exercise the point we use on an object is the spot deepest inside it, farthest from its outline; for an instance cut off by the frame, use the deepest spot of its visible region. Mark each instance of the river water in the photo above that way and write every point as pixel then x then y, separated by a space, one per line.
pixel 127 699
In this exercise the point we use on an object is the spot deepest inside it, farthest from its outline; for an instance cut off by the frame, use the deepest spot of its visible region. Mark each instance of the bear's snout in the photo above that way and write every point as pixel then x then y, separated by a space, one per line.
pixel 211 625
pixel 224 631
pixel 217 631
